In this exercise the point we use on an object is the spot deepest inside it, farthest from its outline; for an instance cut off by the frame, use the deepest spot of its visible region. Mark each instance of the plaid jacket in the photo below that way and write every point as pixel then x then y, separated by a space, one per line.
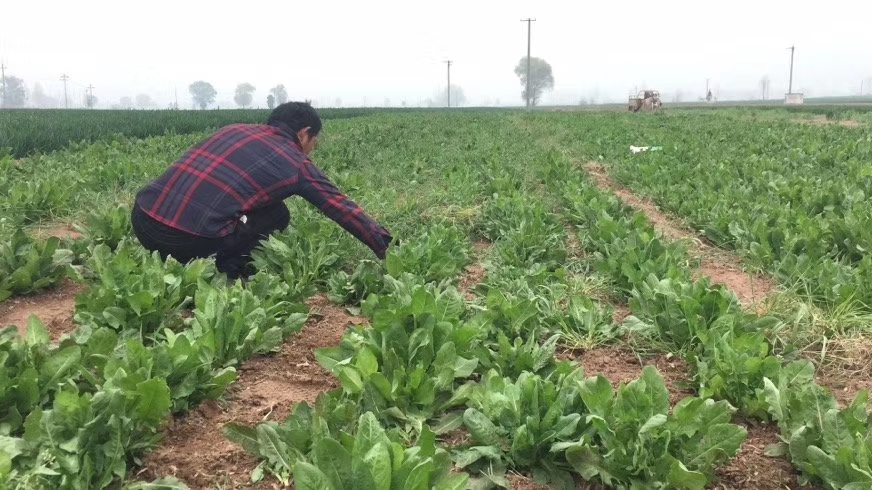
pixel 244 167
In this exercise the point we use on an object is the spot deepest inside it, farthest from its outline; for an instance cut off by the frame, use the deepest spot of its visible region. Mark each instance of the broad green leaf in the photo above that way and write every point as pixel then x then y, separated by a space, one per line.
pixel 154 400
pixel 378 459
pixel 826 467
pixel 166 483
pixel 369 433
pixel 419 477
pixel 682 478
pixel 59 364
pixel 652 423
pixel 448 422
pixel 308 477
pixel 11 446
pixel 273 448
pixel 366 362
pixel 481 429
pixel 596 392
pixel 453 482
pixel 37 334
pixel 244 436
pixel 334 461
pixel 720 442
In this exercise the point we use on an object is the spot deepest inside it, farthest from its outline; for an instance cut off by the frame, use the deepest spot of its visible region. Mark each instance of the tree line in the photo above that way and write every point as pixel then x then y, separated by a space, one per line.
pixel 13 92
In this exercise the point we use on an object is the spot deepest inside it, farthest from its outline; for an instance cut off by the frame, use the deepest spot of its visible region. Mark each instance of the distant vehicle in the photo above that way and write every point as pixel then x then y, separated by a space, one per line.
pixel 645 100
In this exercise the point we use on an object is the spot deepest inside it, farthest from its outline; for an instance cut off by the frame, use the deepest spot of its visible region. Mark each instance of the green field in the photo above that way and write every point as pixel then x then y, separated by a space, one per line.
pixel 449 384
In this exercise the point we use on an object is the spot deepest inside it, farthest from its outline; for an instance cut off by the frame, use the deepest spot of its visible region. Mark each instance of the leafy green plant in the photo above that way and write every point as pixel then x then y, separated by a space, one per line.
pixel 303 255
pixel 351 290
pixel 235 323
pixel 407 365
pixel 829 444
pixel 515 423
pixel 134 291
pixel 31 373
pixel 634 442
pixel 437 255
pixel 109 227
pixel 369 458
pixel 28 265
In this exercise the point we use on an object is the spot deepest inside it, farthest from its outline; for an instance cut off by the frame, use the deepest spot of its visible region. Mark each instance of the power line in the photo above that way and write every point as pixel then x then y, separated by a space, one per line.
pixel 64 79
pixel 529 22
pixel 448 62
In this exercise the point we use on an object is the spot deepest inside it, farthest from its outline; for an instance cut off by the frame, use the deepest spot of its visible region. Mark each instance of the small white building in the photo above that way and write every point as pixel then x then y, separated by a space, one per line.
pixel 793 99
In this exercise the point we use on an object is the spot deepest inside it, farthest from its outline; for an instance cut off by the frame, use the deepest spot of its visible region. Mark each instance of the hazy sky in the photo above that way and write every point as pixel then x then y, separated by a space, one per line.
pixel 377 50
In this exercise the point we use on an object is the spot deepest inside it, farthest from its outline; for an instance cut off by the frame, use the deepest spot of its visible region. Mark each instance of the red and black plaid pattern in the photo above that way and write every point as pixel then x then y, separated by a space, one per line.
pixel 241 168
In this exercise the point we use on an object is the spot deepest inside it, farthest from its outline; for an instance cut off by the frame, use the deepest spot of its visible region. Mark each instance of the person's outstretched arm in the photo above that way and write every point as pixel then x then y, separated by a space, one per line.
pixel 316 188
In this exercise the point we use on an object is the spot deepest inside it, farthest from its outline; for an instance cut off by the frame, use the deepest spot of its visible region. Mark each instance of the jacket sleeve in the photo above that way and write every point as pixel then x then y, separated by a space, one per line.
pixel 318 190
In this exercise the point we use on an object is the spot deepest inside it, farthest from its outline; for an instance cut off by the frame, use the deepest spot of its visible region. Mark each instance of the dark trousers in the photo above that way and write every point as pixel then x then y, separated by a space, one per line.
pixel 232 253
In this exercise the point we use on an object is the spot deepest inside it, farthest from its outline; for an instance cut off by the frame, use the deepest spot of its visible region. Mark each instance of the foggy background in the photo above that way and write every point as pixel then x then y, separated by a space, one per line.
pixel 393 52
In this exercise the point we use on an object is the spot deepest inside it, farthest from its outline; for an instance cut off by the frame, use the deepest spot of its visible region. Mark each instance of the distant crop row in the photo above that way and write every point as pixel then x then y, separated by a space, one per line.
pixel 27 131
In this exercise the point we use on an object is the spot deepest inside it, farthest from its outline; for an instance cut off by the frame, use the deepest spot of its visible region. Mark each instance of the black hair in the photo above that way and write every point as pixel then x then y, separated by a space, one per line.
pixel 296 115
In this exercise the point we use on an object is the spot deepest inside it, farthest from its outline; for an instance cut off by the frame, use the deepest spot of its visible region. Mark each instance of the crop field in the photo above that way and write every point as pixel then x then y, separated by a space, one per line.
pixel 561 312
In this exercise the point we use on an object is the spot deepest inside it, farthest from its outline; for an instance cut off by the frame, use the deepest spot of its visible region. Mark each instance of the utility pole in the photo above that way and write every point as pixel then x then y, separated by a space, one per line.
pixel 177 98
pixel 3 78
pixel 64 79
pixel 790 84
pixel 449 82
pixel 529 22
pixel 90 96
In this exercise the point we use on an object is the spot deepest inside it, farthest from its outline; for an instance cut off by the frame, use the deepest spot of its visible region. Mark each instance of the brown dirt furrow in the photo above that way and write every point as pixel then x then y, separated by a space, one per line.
pixel 59 230
pixel 721 266
pixel 474 272
pixel 54 307
pixel 751 469
pixel 196 452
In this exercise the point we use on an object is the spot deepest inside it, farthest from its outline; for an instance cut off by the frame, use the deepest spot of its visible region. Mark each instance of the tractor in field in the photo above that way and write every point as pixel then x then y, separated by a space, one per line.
pixel 645 100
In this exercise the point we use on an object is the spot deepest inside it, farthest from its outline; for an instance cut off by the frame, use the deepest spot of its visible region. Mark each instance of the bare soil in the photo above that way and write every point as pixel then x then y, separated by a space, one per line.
pixel 474 272
pixel 821 120
pixel 55 307
pixel 720 265
pixel 196 452
pixel 59 230
pixel 751 469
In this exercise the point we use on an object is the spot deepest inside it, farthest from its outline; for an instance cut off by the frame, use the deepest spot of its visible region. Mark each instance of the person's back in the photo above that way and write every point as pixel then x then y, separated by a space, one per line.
pixel 226 193
pixel 238 169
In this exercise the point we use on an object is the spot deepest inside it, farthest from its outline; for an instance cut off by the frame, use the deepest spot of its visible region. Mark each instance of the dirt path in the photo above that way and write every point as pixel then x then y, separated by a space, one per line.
pixel 59 230
pixel 196 451
pixel 720 265
pixel 473 273
pixel 55 307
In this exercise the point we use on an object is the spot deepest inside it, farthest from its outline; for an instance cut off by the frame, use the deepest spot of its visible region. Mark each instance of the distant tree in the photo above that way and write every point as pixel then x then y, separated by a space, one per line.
pixel 541 78
pixel 126 102
pixel 338 102
pixel 12 92
pixel 39 99
pixel 203 93
pixel 440 97
pixel 270 101
pixel 280 94
pixel 143 101
pixel 243 95
pixel 387 102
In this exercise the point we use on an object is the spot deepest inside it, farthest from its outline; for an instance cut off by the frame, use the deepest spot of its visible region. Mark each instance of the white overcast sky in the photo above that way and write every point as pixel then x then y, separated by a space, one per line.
pixel 367 52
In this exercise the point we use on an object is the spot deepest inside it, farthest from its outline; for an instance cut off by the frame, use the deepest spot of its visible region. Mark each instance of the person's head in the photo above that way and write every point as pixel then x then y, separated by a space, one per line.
pixel 303 121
